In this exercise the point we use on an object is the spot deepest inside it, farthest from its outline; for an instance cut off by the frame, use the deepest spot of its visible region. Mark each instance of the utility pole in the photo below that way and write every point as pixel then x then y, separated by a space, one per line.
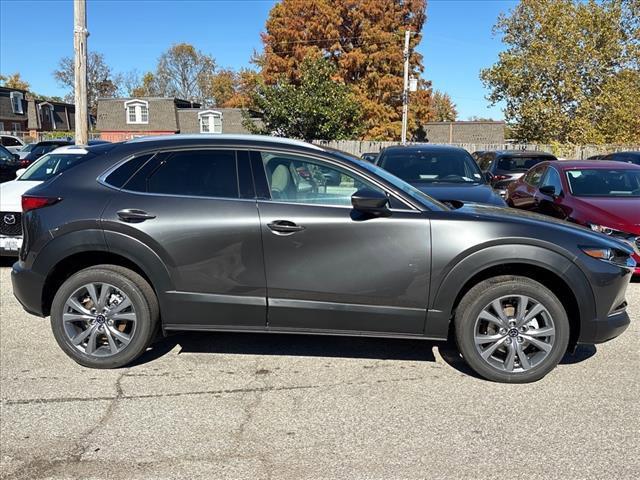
pixel 405 88
pixel 80 35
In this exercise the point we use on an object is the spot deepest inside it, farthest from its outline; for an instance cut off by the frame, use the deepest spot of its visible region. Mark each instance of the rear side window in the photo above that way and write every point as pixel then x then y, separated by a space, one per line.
pixel 120 175
pixel 199 173
pixel 519 164
pixel 10 142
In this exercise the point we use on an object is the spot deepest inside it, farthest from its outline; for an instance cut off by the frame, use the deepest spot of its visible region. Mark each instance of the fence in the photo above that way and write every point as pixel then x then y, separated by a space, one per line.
pixel 573 152
pixel 27 137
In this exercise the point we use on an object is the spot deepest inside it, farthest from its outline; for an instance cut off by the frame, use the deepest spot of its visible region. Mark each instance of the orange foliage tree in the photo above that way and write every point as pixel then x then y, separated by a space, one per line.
pixel 364 40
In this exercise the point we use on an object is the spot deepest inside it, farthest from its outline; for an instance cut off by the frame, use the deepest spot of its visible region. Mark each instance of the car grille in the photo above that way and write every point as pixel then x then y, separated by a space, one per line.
pixel 10 223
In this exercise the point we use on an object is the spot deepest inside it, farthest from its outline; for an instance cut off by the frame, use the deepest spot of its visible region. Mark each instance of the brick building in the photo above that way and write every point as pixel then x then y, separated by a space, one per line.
pixel 20 111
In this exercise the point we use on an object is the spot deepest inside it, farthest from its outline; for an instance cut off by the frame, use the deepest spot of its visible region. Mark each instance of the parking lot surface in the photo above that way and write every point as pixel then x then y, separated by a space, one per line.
pixel 227 406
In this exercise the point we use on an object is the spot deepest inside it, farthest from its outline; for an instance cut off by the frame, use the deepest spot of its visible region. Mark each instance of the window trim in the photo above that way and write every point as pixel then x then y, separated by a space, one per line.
pixel 16 101
pixel 210 115
pixel 48 107
pixel 137 105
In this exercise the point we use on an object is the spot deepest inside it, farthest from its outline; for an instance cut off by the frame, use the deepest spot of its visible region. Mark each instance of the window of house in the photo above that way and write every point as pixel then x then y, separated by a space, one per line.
pixel 16 127
pixel 46 114
pixel 1 126
pixel 210 121
pixel 137 111
pixel 16 102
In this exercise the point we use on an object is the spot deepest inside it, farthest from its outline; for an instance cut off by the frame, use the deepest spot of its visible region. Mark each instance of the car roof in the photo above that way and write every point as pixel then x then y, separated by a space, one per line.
pixel 70 149
pixel 54 142
pixel 523 153
pixel 424 147
pixel 218 138
pixel 595 164
pixel 629 153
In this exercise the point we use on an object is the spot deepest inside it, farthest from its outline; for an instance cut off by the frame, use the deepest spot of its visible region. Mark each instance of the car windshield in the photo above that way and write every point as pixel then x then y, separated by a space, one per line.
pixel 49 165
pixel 432 166
pixel 519 164
pixel 604 183
pixel 422 198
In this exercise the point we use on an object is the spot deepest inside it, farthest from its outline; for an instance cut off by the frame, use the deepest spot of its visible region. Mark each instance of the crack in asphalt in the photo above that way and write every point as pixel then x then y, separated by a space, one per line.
pixel 201 392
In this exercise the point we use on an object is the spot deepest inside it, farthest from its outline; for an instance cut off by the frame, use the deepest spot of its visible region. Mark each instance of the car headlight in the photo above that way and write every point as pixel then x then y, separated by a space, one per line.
pixel 611 255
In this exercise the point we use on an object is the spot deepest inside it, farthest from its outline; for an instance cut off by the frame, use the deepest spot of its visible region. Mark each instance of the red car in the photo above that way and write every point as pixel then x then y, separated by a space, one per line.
pixel 601 195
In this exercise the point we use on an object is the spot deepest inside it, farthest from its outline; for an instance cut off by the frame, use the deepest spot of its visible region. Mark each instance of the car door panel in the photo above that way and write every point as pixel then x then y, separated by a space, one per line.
pixel 213 251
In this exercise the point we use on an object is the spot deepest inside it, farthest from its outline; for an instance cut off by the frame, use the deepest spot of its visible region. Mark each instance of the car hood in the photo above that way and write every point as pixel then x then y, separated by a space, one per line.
pixel 11 194
pixel 537 221
pixel 466 193
pixel 619 213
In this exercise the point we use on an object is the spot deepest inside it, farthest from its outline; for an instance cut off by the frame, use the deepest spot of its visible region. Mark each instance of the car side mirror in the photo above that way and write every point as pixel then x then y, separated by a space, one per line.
pixel 373 202
pixel 549 190
pixel 488 176
pixel 20 171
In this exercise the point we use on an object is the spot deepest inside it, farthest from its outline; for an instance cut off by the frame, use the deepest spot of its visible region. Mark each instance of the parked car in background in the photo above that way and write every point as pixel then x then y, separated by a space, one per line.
pixel 446 173
pixel 629 157
pixel 369 157
pixel 502 167
pixel 40 148
pixel 9 163
pixel 25 150
pixel 203 232
pixel 477 155
pixel 11 143
pixel 599 194
pixel 46 167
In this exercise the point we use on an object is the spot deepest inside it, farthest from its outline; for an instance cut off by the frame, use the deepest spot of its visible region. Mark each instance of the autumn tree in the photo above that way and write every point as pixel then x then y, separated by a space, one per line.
pixel 316 106
pixel 444 110
pixel 147 86
pixel 184 72
pixel 363 39
pixel 14 81
pixel 101 80
pixel 233 89
pixel 571 71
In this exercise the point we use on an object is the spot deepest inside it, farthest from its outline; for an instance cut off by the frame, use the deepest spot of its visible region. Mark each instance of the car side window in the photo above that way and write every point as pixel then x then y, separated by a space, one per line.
pixel 294 179
pixel 552 178
pixel 120 175
pixel 10 142
pixel 534 176
pixel 199 173
pixel 485 162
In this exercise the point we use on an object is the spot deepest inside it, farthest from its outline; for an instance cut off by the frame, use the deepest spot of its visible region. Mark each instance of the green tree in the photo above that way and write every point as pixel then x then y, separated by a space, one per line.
pixel 364 40
pixel 570 72
pixel 14 81
pixel 315 107
pixel 444 110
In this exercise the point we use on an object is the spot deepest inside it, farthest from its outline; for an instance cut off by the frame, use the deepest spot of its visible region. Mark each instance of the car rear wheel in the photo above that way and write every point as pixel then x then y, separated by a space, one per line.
pixel 511 329
pixel 104 316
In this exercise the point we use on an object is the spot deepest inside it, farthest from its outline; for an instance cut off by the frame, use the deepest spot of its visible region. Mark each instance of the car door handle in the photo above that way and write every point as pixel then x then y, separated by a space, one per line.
pixel 284 227
pixel 134 215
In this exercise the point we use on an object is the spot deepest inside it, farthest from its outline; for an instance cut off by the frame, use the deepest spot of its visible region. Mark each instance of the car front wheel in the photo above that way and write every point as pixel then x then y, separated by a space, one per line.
pixel 511 329
pixel 104 316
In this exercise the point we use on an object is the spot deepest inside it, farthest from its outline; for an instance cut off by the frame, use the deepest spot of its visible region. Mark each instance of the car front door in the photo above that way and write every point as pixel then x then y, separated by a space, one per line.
pixel 328 267
pixel 197 211
pixel 547 203
pixel 524 196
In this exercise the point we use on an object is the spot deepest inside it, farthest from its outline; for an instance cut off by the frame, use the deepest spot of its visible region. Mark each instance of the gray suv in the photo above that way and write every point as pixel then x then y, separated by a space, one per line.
pixel 258 234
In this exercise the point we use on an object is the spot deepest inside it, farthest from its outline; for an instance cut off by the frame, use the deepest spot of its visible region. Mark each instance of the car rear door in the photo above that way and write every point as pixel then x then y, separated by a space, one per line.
pixel 196 210
pixel 329 268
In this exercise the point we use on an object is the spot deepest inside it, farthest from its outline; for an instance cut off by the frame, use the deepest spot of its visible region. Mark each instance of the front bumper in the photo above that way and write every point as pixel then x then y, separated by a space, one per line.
pixel 27 288
pixel 604 329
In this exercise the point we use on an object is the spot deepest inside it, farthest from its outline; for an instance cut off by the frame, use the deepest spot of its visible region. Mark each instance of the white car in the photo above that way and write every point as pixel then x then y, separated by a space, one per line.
pixel 11 143
pixel 11 192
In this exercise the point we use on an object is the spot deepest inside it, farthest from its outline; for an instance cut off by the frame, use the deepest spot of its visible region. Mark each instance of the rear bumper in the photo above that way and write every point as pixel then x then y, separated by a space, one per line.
pixel 603 330
pixel 27 288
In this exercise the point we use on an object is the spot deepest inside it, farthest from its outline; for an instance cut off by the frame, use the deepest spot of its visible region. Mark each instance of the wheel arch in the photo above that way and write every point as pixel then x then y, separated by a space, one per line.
pixel 554 270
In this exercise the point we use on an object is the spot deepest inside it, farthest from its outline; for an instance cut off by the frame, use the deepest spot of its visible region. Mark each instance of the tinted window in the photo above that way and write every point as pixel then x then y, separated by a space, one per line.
pixel 435 166
pixel 519 164
pixel 120 175
pixel 52 164
pixel 10 142
pixel 5 155
pixel 552 178
pixel 485 161
pixel 298 180
pixel 604 183
pixel 202 173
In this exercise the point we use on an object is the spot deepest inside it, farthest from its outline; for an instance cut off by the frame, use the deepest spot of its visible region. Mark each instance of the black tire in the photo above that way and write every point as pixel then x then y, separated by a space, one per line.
pixel 472 305
pixel 142 298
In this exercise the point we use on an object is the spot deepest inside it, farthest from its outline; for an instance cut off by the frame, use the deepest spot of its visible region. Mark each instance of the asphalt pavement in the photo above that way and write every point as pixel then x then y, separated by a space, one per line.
pixel 251 406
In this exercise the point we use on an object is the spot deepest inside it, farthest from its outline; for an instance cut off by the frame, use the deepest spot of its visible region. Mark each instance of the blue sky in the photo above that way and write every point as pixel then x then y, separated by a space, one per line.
pixel 457 40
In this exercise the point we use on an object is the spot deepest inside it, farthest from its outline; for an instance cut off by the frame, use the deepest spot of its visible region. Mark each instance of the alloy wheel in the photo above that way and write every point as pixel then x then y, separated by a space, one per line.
pixel 514 333
pixel 99 319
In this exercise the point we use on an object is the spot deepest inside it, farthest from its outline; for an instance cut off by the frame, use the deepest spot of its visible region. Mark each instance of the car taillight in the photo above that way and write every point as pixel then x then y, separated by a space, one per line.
pixel 32 202
pixel 24 163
